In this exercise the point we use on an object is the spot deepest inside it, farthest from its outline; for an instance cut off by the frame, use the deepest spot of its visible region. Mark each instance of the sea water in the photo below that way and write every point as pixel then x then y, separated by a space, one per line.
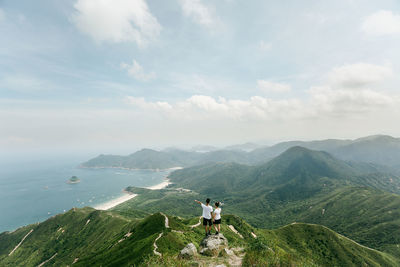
pixel 34 191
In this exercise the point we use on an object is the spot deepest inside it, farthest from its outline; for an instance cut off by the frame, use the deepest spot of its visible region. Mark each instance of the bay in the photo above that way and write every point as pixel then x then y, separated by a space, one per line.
pixel 34 191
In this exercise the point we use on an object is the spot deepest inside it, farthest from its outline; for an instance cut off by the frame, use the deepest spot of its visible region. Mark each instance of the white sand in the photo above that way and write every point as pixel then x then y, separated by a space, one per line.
pixel 127 196
pixel 159 186
pixel 115 202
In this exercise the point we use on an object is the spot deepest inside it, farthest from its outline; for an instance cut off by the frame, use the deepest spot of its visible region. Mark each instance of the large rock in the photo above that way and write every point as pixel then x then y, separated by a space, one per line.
pixel 226 252
pixel 213 244
pixel 189 251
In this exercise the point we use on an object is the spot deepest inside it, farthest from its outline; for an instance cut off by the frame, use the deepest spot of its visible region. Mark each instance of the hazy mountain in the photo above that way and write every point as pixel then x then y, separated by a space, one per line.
pixel 247 147
pixel 378 149
pixel 203 148
pixel 143 159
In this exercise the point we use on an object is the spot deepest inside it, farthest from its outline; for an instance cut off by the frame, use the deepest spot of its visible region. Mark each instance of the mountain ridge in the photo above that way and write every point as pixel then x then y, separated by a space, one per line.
pixel 377 149
pixel 157 239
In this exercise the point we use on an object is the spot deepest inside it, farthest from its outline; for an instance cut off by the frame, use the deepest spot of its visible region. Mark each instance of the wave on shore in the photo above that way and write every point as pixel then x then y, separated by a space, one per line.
pixel 127 196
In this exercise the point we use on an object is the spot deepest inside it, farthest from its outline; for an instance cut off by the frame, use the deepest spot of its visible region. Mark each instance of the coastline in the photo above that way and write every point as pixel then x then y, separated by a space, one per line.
pixel 115 202
pixel 127 196
pixel 160 185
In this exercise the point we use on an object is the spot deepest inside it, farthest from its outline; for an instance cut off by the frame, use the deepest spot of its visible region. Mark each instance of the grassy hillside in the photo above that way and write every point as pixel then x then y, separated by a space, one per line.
pixel 93 237
pixel 86 237
pixel 316 244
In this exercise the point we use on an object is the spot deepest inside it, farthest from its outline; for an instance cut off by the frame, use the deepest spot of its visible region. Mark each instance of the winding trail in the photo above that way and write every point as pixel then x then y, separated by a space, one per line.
pixel 235 231
pixel 46 261
pixel 197 224
pixel 166 220
pixel 155 245
pixel 19 244
pixel 160 235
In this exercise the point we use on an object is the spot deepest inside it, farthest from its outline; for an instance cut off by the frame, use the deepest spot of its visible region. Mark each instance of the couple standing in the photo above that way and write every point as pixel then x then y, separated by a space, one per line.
pixel 211 217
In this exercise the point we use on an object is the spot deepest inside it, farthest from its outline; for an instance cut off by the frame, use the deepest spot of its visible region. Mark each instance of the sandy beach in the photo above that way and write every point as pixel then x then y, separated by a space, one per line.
pixel 127 196
pixel 112 203
pixel 160 185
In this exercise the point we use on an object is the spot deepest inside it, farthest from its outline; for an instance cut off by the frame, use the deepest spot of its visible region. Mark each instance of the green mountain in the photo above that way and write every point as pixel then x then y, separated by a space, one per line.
pixel 152 159
pixel 143 159
pixel 378 150
pixel 87 237
pixel 297 167
pixel 300 185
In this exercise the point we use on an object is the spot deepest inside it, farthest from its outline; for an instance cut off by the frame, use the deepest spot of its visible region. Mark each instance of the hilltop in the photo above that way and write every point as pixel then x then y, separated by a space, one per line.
pixel 84 237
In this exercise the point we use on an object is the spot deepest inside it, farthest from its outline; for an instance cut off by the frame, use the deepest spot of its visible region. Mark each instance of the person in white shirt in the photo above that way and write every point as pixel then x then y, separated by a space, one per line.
pixel 207 210
pixel 217 218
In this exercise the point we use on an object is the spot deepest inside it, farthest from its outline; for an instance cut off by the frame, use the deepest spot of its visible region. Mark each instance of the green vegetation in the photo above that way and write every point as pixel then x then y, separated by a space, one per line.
pixel 293 192
pixel 311 245
pixel 94 237
pixel 298 186
pixel 101 238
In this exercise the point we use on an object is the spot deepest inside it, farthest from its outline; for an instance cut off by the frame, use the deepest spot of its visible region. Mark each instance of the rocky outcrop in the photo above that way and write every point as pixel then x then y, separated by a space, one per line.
pixel 213 244
pixel 188 252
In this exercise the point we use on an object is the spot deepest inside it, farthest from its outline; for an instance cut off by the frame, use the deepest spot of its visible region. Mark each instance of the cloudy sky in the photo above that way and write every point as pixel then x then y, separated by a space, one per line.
pixel 121 74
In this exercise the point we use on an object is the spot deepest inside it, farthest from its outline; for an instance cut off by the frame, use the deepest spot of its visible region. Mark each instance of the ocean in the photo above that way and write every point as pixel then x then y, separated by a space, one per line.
pixel 36 190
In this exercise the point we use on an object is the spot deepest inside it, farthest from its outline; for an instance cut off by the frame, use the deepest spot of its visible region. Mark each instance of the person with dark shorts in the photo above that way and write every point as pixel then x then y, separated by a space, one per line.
pixel 207 210
pixel 217 218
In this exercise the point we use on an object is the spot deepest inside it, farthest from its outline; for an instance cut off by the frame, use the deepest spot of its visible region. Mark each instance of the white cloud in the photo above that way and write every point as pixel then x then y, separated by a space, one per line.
pixel 136 71
pixel 383 22
pixel 116 21
pixel 202 107
pixel 198 12
pixel 272 87
pixel 358 75
pixel 335 98
pixel 341 102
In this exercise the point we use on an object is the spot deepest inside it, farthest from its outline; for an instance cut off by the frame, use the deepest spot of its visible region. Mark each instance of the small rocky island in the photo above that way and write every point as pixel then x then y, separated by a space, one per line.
pixel 73 180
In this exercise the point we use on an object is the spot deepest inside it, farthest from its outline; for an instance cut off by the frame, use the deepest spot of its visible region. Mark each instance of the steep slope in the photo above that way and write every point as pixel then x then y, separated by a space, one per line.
pixel 317 244
pixel 84 237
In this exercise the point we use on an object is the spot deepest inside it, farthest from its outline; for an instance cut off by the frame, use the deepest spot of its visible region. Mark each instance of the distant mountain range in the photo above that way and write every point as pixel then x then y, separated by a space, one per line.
pixel 377 149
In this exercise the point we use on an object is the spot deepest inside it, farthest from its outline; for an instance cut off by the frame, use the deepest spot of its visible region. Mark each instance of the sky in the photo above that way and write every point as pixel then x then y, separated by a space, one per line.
pixel 116 75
